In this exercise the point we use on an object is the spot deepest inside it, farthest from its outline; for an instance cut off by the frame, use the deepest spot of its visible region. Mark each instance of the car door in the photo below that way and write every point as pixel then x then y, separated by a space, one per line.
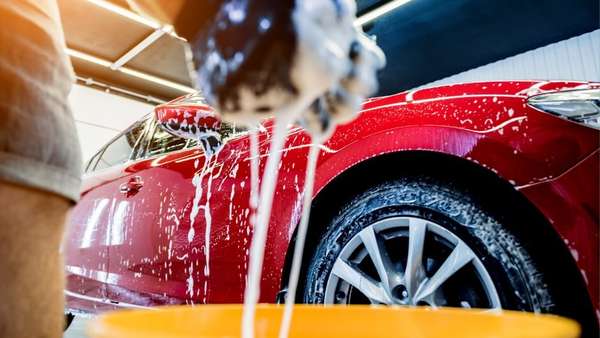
pixel 156 253
pixel 87 241
pixel 134 230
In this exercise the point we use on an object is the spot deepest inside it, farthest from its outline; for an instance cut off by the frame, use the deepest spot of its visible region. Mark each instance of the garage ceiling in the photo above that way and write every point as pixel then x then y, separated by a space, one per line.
pixel 424 40
pixel 112 45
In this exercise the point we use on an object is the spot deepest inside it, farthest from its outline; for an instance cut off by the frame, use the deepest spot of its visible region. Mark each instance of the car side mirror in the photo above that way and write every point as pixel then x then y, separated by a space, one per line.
pixel 191 120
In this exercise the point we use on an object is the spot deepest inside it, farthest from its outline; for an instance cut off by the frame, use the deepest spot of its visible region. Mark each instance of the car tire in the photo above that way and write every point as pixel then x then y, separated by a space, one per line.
pixel 448 216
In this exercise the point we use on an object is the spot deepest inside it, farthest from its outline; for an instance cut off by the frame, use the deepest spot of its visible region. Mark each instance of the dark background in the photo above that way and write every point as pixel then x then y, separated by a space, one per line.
pixel 426 40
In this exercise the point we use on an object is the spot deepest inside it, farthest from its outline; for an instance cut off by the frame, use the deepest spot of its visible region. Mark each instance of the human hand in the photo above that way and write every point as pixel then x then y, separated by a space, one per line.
pixel 341 103
pixel 260 58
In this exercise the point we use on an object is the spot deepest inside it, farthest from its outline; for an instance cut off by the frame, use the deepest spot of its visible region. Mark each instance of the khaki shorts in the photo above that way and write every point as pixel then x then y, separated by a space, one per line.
pixel 38 141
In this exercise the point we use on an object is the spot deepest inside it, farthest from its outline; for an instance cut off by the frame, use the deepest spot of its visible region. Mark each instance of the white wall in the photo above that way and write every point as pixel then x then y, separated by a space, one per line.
pixel 100 116
pixel 577 58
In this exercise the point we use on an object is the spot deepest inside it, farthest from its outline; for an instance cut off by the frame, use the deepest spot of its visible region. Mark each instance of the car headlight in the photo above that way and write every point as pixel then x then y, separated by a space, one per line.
pixel 581 106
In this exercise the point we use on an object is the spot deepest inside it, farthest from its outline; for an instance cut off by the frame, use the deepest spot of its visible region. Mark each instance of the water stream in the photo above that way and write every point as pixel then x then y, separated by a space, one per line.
pixel 257 248
pixel 208 224
pixel 210 162
pixel 290 299
pixel 254 162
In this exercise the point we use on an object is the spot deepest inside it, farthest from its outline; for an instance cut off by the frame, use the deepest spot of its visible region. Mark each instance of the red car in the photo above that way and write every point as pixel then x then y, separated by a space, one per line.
pixel 469 195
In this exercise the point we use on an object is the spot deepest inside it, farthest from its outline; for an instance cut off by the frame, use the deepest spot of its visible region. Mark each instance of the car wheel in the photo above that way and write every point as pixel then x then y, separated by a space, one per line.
pixel 418 241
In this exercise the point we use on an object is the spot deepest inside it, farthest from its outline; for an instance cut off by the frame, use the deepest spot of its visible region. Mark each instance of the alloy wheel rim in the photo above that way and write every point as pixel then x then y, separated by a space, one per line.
pixel 410 261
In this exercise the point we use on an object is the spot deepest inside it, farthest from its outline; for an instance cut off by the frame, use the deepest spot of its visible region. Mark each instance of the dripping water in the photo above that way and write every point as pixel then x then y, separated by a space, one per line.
pixel 210 162
pixel 309 179
pixel 254 162
pixel 208 222
pixel 265 201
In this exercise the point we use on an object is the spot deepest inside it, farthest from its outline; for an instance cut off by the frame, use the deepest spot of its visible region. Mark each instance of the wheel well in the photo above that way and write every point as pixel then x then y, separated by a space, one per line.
pixel 486 187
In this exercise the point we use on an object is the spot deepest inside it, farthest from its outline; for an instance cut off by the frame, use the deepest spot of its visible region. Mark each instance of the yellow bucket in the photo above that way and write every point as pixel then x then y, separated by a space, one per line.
pixel 218 321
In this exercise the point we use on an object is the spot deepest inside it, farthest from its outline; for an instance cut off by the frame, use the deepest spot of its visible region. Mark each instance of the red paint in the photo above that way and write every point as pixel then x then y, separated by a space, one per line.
pixel 118 248
pixel 188 119
pixel 180 115
pixel 571 203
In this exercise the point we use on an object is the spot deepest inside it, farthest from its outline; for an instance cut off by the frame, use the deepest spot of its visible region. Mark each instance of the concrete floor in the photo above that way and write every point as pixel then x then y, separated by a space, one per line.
pixel 77 328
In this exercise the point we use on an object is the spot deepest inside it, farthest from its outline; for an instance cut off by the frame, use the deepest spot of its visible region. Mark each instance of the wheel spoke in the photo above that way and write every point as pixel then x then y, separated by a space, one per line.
pixel 378 254
pixel 460 256
pixel 413 283
pixel 360 281
pixel 414 274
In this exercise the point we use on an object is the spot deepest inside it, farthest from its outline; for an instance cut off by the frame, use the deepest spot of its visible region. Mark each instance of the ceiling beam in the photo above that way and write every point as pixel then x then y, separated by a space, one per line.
pixel 126 13
pixel 128 71
pixel 137 49
pixel 106 87
pixel 135 17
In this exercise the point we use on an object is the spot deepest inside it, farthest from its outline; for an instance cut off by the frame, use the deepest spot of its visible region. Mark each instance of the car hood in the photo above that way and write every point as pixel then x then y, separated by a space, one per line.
pixel 490 88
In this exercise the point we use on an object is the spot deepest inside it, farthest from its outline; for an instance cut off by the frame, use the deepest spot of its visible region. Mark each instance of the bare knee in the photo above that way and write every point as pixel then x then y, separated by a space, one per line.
pixel 31 269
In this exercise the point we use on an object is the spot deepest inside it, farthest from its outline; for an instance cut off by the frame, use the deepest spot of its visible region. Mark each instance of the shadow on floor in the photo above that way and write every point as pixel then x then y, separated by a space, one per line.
pixel 77 328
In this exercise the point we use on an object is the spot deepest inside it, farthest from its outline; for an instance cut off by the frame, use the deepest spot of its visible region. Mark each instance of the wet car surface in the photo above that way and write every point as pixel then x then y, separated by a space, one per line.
pixel 129 244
